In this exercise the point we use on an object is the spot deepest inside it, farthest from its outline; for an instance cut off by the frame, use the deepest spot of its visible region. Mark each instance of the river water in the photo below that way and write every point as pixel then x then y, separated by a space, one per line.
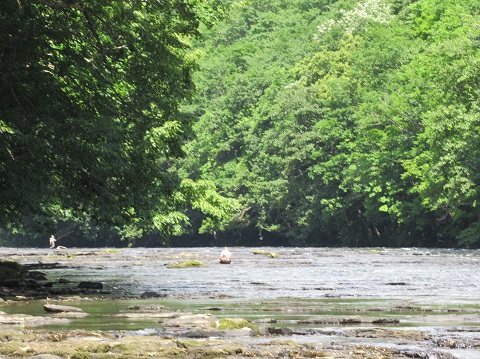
pixel 343 279
pixel 424 275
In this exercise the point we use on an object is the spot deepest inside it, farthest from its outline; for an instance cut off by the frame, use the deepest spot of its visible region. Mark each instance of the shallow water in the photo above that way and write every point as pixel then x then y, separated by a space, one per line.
pixel 423 275
pixel 421 287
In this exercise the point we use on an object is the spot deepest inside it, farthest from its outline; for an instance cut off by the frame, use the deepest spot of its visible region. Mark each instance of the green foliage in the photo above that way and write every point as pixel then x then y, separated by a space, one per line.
pixel 368 136
pixel 89 111
pixel 316 122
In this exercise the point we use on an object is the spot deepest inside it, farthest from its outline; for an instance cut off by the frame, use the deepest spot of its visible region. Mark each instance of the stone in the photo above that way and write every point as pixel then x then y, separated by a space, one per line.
pixel 53 308
pixel 183 322
pixel 90 285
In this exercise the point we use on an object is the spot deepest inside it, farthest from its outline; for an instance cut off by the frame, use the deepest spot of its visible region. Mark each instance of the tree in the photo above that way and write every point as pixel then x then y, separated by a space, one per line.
pixel 89 108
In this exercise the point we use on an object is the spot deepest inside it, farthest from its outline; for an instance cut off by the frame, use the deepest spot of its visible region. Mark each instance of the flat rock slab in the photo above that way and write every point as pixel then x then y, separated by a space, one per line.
pixel 183 322
pixel 53 308
pixel 166 315
pixel 28 320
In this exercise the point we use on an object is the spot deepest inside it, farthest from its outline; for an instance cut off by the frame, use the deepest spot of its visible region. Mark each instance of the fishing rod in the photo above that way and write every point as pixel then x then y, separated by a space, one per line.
pixel 63 235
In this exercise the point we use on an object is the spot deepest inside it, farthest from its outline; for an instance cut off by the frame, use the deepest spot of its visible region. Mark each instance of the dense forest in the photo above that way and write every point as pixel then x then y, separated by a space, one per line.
pixel 280 122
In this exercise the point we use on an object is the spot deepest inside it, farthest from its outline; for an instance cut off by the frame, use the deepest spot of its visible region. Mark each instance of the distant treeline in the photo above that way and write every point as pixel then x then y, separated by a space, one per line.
pixel 343 123
pixel 280 122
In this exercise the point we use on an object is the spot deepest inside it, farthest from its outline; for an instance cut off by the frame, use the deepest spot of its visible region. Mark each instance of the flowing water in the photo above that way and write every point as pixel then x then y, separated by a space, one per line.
pixel 301 282
pixel 423 275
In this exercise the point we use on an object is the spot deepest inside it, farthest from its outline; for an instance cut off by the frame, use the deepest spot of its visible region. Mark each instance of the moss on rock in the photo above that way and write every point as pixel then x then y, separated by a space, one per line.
pixel 265 253
pixel 235 323
pixel 186 264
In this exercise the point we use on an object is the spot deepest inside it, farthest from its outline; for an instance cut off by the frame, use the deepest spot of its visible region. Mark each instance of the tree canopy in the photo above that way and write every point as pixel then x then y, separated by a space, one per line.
pixel 344 122
pixel 89 109
pixel 287 122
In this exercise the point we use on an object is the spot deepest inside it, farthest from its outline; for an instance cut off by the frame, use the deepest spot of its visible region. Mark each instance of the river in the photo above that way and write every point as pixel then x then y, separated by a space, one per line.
pixel 424 275
pixel 302 281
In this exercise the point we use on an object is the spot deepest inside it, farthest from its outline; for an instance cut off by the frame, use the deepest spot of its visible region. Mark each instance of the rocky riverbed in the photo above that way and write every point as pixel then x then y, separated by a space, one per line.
pixel 269 303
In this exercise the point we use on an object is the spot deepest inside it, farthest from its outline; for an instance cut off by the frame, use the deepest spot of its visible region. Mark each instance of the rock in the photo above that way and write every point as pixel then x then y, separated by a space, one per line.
pixel 209 333
pixel 6 319
pixel 35 275
pixel 46 356
pixel 90 285
pixel 53 308
pixel 165 315
pixel 348 320
pixel 385 321
pixel 265 253
pixel 186 264
pixel 28 320
pixel 188 321
pixel 148 308
pixel 278 331
pixel 152 295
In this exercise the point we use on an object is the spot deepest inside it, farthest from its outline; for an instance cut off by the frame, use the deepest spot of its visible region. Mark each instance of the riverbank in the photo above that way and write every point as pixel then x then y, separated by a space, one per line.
pixel 147 308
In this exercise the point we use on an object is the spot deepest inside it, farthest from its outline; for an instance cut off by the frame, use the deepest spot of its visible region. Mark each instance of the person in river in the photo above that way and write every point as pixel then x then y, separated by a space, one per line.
pixel 225 256
pixel 52 241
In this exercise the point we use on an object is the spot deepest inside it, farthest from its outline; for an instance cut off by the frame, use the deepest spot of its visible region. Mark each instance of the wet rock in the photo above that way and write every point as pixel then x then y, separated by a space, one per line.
pixel 165 315
pixel 90 285
pixel 264 321
pixel 152 295
pixel 411 335
pixel 396 283
pixel 183 322
pixel 38 276
pixel 148 308
pixel 348 320
pixel 53 308
pixel 385 321
pixel 210 333
pixel 427 354
pixel 7 319
pixel 28 320
pixel 266 254
pixel 277 331
pixel 186 264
